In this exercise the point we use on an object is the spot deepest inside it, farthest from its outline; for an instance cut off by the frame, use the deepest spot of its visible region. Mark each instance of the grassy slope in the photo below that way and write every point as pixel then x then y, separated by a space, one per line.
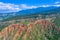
pixel 32 31
pixel 57 21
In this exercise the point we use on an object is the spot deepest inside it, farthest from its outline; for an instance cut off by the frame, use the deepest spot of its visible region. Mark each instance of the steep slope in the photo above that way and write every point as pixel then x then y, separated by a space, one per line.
pixel 38 30
pixel 57 21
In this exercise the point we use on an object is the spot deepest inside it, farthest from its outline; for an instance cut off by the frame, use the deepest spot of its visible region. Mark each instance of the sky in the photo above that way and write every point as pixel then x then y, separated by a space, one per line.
pixel 18 5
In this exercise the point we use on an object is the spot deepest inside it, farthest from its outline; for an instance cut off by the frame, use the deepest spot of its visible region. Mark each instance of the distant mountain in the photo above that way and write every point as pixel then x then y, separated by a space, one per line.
pixel 35 11
pixel 32 11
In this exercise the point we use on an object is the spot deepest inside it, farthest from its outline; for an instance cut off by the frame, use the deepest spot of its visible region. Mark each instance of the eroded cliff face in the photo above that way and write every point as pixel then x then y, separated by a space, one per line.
pixel 38 30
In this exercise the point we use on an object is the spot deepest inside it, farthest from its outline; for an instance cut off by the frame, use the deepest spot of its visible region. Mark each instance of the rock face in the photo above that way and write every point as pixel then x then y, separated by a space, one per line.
pixel 38 30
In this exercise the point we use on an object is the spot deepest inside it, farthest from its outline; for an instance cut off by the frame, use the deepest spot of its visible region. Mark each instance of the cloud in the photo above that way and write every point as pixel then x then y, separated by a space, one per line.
pixel 57 5
pixel 8 7
pixel 57 2
pixel 44 5
pixel 24 6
